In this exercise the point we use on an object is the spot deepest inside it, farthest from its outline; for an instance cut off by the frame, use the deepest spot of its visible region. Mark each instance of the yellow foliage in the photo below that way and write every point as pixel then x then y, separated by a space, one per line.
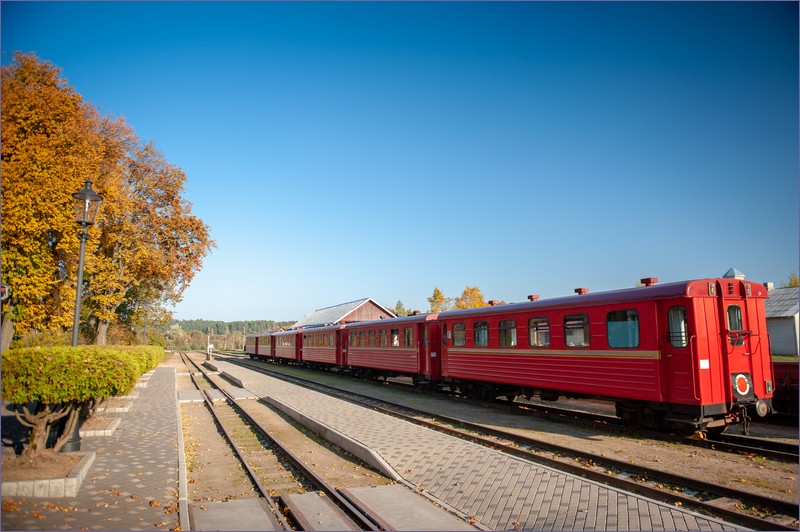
pixel 145 246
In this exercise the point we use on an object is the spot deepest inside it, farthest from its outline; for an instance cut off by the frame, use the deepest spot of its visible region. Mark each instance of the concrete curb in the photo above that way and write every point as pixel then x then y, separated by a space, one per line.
pixel 354 447
pixel 53 487
pixel 104 432
pixel 183 485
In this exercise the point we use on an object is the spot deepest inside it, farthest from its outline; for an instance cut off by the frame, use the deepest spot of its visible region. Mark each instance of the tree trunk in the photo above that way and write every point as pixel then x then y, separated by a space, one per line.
pixel 7 334
pixel 102 329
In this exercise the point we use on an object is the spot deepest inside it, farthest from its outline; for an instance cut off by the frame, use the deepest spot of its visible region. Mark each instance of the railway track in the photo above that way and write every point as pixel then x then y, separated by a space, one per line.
pixel 754 511
pixel 731 443
pixel 286 471
pixel 281 478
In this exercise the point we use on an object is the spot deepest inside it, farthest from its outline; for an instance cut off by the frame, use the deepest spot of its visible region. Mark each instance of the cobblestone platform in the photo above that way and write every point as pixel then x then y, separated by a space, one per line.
pixel 133 483
pixel 499 491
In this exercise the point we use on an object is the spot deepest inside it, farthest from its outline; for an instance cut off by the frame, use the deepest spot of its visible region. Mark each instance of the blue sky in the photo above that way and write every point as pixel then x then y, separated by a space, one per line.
pixel 348 150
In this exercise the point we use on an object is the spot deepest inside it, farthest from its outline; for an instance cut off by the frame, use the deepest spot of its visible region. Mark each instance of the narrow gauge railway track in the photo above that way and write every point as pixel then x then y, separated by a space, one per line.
pixel 731 443
pixel 230 415
pixel 687 492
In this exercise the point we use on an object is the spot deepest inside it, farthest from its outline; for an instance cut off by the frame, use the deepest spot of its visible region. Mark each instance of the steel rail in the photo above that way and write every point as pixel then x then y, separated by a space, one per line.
pixel 359 517
pixel 240 454
pixel 779 506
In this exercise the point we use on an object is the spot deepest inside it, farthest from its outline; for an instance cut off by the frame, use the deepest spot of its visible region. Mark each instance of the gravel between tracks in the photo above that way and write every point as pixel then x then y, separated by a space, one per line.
pixel 215 474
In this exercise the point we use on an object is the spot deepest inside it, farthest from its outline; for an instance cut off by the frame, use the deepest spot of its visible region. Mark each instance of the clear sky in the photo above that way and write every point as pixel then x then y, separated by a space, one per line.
pixel 348 150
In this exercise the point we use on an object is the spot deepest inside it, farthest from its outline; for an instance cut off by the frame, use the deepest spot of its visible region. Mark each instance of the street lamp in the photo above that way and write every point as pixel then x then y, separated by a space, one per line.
pixel 87 203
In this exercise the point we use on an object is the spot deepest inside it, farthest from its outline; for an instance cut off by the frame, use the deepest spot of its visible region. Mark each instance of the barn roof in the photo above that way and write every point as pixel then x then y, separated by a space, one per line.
pixel 336 313
pixel 782 302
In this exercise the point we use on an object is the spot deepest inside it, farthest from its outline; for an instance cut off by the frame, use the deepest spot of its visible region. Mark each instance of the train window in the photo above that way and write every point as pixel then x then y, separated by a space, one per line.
pixel 623 328
pixel 576 330
pixel 678 328
pixel 480 333
pixel 459 335
pixel 331 340
pixel 352 340
pixel 382 337
pixel 444 334
pixel 508 333
pixel 539 332
pixel 409 337
pixel 362 341
pixel 735 324
pixel 395 337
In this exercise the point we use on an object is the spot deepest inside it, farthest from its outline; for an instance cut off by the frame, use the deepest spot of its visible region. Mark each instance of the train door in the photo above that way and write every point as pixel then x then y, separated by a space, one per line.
pixel 677 348
pixel 422 348
pixel 737 343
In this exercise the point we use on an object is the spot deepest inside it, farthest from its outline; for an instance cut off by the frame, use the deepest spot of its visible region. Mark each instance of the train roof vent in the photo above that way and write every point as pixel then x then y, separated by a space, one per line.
pixel 493 302
pixel 581 291
pixel 649 281
pixel 533 297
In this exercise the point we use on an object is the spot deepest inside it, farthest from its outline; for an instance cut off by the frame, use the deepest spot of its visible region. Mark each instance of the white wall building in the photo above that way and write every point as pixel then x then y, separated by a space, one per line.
pixel 782 309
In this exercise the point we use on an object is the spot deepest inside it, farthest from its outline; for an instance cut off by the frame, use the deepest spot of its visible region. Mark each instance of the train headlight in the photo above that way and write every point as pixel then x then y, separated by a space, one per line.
pixel 768 386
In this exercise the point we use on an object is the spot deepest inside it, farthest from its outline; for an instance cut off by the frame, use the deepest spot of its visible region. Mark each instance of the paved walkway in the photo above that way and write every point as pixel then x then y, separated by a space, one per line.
pixel 133 483
pixel 501 492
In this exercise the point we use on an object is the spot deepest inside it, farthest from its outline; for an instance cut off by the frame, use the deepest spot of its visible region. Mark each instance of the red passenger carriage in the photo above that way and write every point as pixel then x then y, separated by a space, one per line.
pixel 260 346
pixel 690 355
pixel 288 345
pixel 322 346
pixel 397 346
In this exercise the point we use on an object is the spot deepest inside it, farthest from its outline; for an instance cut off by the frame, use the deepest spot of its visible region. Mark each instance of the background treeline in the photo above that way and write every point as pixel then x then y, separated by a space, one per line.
pixel 193 335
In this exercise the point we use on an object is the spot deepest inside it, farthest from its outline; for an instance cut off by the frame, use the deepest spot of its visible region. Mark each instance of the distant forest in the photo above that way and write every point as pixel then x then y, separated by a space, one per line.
pixel 185 335
pixel 226 327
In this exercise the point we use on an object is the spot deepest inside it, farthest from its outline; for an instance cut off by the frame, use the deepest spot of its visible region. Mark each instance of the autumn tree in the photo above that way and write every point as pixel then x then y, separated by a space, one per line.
pixel 471 297
pixel 49 148
pixel 151 245
pixel 438 302
pixel 793 280
pixel 145 246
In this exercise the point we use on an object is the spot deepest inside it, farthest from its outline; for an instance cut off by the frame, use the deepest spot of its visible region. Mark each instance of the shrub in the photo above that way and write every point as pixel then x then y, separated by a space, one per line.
pixel 61 380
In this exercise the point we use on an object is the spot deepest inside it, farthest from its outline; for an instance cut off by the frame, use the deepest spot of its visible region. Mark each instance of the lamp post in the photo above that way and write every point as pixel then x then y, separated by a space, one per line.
pixel 87 203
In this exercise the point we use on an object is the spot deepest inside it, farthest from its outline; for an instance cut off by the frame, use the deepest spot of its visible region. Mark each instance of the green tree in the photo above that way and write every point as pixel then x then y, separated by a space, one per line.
pixel 399 309
pixel 471 297
pixel 437 301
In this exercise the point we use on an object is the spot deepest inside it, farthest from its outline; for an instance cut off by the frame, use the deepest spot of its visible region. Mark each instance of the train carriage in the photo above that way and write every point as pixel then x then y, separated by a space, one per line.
pixel 692 355
pixel 396 346
pixel 288 345
pixel 259 346
pixel 322 346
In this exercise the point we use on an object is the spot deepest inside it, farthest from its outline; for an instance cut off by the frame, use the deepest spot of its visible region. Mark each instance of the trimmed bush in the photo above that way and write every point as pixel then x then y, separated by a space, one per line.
pixel 62 379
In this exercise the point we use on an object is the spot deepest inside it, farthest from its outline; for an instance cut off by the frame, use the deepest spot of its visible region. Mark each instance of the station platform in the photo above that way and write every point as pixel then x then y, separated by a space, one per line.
pixel 497 491
pixel 135 482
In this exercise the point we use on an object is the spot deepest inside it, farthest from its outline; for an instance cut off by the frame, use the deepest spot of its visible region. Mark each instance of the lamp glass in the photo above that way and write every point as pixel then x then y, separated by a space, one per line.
pixel 87 203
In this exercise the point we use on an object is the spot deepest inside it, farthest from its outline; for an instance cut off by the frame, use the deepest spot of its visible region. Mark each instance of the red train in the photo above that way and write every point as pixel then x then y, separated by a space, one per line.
pixel 690 356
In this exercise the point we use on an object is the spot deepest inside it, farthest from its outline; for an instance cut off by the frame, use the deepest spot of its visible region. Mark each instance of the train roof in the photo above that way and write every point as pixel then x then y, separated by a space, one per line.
pixel 695 288
pixel 414 318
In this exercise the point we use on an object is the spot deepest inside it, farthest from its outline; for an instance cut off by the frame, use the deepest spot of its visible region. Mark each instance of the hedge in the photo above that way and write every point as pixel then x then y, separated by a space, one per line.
pixel 54 375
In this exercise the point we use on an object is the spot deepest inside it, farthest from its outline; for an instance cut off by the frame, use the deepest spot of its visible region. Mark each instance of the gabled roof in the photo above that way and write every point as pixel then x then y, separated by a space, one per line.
pixel 336 313
pixel 782 302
